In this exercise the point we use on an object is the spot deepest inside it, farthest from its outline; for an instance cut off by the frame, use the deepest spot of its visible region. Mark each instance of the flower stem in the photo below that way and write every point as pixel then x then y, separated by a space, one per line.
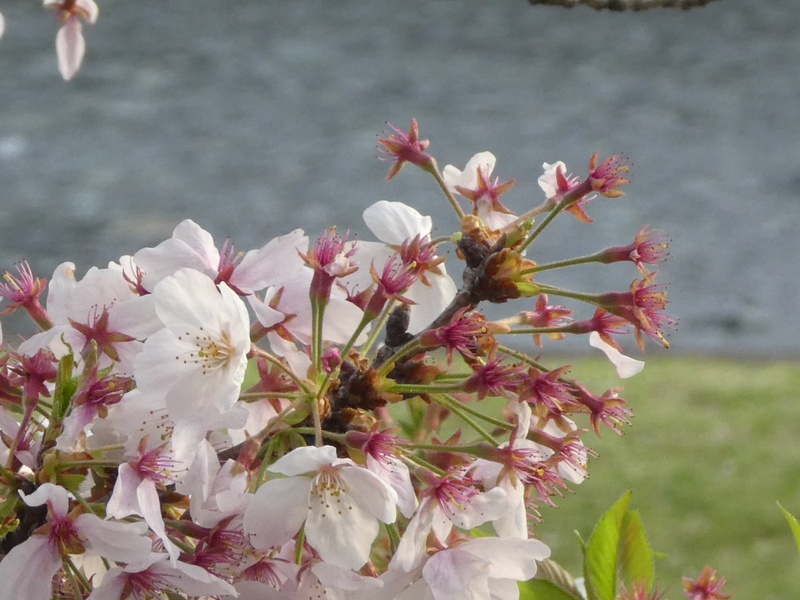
pixel 437 175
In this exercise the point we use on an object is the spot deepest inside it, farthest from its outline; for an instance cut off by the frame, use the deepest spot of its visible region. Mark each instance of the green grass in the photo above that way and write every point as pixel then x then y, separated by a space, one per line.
pixel 714 445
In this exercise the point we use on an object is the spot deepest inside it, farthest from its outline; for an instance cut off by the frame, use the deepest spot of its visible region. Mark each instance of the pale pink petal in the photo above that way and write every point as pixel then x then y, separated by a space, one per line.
pixel 430 300
pixel 198 243
pixel 88 9
pixel 191 579
pixel 514 522
pixel 457 575
pixel 396 474
pixel 188 297
pixel 112 586
pixel 277 511
pixel 60 291
pixel 150 509
pixel 481 508
pixel 265 314
pixel 273 263
pixel 70 47
pixel 55 495
pixel 306 459
pixel 341 530
pixel 123 501
pixel 27 570
pixel 371 492
pixel 395 222
pixel 468 178
pixel 411 548
pixel 626 366
pixel 116 541
pixel 547 180
pixel 508 558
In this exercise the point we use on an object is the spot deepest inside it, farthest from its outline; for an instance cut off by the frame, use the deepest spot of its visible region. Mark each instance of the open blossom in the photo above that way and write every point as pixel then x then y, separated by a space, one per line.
pixel 70 45
pixel 395 223
pixel 99 309
pixel 197 361
pixel 154 576
pixel 449 500
pixel 340 503
pixel 484 568
pixel 28 569
pixel 136 490
pixel 192 246
pixel 475 183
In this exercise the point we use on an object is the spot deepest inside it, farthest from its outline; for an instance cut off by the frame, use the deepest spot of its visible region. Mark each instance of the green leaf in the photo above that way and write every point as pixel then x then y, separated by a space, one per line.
pixel 601 556
pixel 540 589
pixel 793 523
pixel 636 559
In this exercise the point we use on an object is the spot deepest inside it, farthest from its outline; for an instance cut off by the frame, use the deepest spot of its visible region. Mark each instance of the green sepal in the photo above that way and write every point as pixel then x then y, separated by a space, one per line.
pixel 66 385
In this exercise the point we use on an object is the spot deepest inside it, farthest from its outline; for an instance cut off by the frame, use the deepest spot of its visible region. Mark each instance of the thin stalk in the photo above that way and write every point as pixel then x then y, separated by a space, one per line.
pixel 555 291
pixel 414 388
pixel 569 262
pixel 317 315
pixel 455 407
pixel 378 326
pixel 437 175
pixel 496 422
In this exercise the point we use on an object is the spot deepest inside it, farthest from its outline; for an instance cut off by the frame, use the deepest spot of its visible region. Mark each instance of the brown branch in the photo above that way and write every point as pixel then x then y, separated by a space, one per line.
pixel 620 5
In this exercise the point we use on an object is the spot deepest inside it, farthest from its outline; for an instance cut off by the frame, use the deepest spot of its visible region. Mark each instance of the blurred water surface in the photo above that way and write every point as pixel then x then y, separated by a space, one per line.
pixel 256 117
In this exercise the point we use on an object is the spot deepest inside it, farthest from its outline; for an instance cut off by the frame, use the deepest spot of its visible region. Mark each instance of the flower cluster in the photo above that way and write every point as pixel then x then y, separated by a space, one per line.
pixel 311 417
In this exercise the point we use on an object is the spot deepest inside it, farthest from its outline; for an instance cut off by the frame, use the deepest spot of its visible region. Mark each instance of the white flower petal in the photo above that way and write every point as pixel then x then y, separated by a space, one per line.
pixel 55 495
pixel 70 47
pixel 339 528
pixel 626 366
pixel 395 222
pixel 508 558
pixel 277 511
pixel 27 570
pixel 116 541
pixel 371 492
pixel 306 459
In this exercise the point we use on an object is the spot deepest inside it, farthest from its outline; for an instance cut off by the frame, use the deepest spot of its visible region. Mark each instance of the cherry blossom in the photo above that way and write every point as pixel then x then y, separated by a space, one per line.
pixel 193 247
pixel 395 223
pixel 70 45
pixel 99 309
pixel 475 184
pixel 340 503
pixel 197 361
pixel 484 568
pixel 450 500
pixel 28 569
pixel 154 575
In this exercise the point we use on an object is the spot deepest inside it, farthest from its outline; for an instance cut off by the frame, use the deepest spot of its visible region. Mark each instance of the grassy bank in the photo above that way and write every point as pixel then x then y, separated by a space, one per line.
pixel 714 445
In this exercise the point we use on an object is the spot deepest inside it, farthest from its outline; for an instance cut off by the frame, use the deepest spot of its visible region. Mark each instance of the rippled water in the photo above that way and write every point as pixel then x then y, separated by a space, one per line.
pixel 256 117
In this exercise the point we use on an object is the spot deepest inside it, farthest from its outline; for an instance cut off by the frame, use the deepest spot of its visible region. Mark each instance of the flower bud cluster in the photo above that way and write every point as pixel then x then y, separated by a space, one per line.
pixel 311 417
